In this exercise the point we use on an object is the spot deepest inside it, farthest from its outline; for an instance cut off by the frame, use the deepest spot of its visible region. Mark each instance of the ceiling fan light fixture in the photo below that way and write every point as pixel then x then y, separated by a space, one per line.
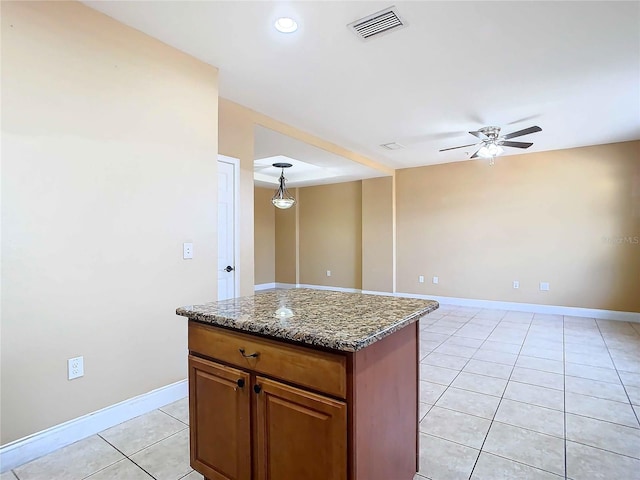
pixel 490 150
pixel 282 198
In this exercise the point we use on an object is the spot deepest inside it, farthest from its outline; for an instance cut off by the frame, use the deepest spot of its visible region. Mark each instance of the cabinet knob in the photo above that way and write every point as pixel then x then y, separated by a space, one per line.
pixel 240 382
pixel 257 388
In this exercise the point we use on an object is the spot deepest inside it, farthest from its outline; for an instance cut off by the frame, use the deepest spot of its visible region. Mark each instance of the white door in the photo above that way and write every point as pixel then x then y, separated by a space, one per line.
pixel 227 273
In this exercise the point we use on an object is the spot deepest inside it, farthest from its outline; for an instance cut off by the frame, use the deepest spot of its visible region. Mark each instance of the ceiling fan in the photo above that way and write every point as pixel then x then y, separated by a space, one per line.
pixel 491 142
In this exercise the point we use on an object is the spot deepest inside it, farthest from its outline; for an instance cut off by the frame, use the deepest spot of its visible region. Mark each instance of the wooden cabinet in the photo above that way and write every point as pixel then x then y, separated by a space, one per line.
pixel 262 409
pixel 299 434
pixel 220 419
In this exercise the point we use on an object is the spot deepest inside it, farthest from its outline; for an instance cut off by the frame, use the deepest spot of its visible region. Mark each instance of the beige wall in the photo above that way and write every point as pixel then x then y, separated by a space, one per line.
pixel 109 142
pixel 236 137
pixel 532 218
pixel 324 232
pixel 377 234
pixel 330 223
pixel 568 217
pixel 265 236
pixel 236 140
pixel 332 237
pixel 287 243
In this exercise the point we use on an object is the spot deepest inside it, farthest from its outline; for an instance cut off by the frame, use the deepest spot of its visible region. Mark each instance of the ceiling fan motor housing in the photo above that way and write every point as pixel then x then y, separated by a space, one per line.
pixel 491 132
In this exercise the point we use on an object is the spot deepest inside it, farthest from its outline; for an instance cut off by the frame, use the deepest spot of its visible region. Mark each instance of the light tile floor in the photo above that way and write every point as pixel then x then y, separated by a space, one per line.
pixel 513 395
pixel 152 446
pixel 504 395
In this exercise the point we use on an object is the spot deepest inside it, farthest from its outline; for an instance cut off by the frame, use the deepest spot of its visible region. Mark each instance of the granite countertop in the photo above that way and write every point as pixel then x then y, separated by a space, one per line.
pixel 336 320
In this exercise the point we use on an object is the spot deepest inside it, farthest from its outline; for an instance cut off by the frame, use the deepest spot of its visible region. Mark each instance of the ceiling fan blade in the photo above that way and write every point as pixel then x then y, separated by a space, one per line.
pixel 480 135
pixel 516 144
pixel 520 133
pixel 461 146
pixel 475 155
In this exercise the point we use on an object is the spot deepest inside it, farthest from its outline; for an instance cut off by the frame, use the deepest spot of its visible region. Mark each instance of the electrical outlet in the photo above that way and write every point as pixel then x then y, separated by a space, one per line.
pixel 75 367
pixel 436 279
pixel 516 284
pixel 421 279
pixel 328 273
pixel 187 250
pixel 544 286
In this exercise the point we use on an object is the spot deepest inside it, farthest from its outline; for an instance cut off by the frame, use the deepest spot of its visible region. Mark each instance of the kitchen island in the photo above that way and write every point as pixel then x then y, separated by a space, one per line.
pixel 305 384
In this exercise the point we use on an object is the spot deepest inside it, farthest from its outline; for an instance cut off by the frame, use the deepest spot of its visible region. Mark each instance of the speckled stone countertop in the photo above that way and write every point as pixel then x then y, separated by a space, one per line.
pixel 336 320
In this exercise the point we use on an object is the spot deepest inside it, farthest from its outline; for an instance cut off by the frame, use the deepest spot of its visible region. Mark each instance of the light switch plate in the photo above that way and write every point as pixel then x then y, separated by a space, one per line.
pixel 187 250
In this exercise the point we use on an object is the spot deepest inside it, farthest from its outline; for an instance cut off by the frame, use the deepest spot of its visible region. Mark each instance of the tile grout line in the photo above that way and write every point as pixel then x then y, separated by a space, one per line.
pixel 129 458
pixel 564 399
pixel 498 455
pixel 125 456
pixel 604 449
pixel 459 372
pixel 501 397
pixel 420 379
pixel 174 417
pixel 142 449
pixel 599 419
pixel 618 373
pixel 454 378
pixel 150 445
pixel 525 464
pixel 185 476
pixel 493 420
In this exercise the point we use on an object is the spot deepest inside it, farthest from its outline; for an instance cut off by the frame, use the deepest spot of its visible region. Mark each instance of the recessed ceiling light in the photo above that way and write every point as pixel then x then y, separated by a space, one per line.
pixel 286 25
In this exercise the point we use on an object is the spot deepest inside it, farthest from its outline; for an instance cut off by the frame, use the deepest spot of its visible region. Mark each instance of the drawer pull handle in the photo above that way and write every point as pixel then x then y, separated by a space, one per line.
pixel 253 355
pixel 257 388
pixel 240 382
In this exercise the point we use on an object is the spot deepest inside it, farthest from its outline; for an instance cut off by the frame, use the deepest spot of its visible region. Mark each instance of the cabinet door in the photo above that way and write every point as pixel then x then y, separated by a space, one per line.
pixel 298 434
pixel 219 416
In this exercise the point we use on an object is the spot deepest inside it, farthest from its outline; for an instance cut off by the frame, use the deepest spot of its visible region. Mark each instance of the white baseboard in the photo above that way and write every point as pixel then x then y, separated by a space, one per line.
pixel 38 444
pixel 324 287
pixel 374 292
pixel 531 307
pixel 493 304
pixel 264 286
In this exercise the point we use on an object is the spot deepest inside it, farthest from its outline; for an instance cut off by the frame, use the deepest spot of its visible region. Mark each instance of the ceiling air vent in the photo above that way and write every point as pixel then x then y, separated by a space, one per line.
pixel 377 24
pixel 392 146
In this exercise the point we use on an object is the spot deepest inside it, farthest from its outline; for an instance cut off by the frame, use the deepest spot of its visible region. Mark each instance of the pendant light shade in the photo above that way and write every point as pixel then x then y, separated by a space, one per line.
pixel 282 198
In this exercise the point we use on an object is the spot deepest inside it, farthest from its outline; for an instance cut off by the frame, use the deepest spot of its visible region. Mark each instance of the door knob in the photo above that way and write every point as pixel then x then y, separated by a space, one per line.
pixel 229 268
pixel 240 382
pixel 257 388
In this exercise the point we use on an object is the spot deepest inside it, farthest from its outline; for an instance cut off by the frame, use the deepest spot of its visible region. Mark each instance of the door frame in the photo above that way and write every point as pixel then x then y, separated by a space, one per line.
pixel 236 219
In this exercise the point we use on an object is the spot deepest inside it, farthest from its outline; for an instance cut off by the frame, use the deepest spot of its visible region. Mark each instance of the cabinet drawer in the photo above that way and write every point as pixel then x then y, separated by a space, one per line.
pixel 318 370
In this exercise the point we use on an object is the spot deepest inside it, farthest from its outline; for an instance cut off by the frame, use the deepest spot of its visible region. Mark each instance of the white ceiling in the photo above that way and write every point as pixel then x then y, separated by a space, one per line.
pixel 310 165
pixel 573 68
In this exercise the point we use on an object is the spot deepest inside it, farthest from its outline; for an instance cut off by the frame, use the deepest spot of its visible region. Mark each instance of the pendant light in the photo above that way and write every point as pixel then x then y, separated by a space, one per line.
pixel 282 198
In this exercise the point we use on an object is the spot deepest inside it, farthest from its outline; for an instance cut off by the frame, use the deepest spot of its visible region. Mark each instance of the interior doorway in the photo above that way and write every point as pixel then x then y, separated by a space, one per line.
pixel 228 262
